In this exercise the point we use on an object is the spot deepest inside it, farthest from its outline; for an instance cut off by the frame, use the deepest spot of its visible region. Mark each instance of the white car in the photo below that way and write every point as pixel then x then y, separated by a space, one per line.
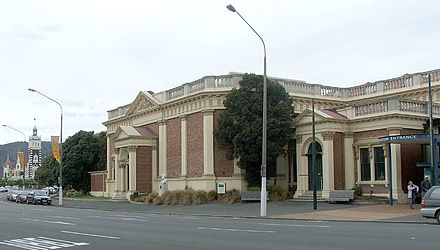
pixel 2 189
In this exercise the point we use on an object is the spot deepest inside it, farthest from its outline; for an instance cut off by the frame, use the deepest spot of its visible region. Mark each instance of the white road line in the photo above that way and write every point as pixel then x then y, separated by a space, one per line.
pixel 234 230
pixel 92 235
pixel 112 218
pixel 48 221
pixel 42 209
pixel 63 217
pixel 292 225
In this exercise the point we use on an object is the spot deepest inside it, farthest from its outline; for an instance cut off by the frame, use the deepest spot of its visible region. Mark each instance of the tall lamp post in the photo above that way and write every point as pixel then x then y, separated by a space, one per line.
pixel 264 143
pixel 24 138
pixel 60 201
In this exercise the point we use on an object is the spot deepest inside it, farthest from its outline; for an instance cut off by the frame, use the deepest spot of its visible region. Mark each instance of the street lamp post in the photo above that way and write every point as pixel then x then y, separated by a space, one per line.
pixel 24 138
pixel 60 201
pixel 263 201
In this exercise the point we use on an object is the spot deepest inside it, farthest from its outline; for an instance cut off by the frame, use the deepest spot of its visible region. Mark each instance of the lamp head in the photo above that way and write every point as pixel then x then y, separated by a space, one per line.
pixel 32 90
pixel 231 8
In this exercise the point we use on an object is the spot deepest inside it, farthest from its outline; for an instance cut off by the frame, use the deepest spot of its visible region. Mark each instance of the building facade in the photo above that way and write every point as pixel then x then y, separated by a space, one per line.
pixel 171 133
pixel 34 154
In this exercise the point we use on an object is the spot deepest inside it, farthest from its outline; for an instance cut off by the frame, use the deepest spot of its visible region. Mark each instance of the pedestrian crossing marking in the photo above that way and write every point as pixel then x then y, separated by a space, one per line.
pixel 41 243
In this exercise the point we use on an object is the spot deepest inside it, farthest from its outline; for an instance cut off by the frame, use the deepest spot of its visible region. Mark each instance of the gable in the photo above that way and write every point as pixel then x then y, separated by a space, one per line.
pixel 143 102
pixel 124 132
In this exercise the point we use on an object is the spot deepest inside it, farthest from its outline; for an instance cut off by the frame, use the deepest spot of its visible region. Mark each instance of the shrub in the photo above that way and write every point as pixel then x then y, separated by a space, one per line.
pixel 358 191
pixel 278 194
pixel 158 200
pixel 200 197
pixel 231 197
pixel 150 198
pixel 212 195
pixel 141 199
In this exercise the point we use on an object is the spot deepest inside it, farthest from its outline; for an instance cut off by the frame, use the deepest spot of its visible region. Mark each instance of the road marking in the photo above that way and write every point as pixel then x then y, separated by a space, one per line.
pixel 63 217
pixel 292 225
pixel 42 209
pixel 92 235
pixel 112 218
pixel 234 230
pixel 48 221
pixel 41 243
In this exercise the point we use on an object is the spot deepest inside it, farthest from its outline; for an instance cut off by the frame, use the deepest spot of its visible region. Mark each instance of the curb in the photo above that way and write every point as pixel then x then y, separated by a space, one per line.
pixel 256 217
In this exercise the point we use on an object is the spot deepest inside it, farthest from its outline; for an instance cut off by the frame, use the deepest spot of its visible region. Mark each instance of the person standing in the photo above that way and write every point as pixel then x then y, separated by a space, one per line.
pixel 425 185
pixel 412 191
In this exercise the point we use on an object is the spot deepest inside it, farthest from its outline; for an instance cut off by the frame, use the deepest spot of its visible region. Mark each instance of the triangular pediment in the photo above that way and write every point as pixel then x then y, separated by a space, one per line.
pixel 124 132
pixel 320 115
pixel 143 102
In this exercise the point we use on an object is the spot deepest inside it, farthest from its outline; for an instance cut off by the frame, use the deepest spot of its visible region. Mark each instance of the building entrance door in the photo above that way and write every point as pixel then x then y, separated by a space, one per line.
pixel 318 166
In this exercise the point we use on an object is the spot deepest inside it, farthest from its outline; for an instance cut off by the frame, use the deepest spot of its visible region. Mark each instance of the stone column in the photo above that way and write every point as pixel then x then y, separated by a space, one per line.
pixel 117 171
pixel 208 142
pixel 162 148
pixel 183 133
pixel 302 165
pixel 154 168
pixel 328 170
pixel 396 169
pixel 349 160
pixel 109 158
pixel 123 178
pixel 132 167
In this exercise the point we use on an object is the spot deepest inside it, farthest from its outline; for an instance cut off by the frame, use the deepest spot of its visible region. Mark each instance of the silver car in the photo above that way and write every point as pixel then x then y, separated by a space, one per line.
pixel 431 204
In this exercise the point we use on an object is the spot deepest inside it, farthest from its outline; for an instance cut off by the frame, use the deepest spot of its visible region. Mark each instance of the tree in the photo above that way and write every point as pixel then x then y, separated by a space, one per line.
pixel 240 126
pixel 102 141
pixel 80 156
pixel 47 174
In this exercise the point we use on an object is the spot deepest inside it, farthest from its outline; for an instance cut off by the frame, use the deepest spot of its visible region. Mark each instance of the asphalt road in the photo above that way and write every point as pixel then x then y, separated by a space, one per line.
pixel 51 227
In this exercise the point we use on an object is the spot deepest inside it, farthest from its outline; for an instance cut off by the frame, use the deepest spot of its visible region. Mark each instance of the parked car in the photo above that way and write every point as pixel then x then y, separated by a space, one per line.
pixel 38 197
pixel 14 194
pixel 8 194
pixel 22 197
pixel 431 204
pixel 2 189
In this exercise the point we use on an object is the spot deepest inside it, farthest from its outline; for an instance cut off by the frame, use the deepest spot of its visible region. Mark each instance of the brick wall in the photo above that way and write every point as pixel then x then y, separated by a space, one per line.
pixel 174 168
pixel 195 145
pixel 97 182
pixel 338 160
pixel 222 166
pixel 144 169
pixel 155 128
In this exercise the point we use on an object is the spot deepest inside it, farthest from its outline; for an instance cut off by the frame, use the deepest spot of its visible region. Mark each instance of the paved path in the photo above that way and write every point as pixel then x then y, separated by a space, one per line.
pixel 359 213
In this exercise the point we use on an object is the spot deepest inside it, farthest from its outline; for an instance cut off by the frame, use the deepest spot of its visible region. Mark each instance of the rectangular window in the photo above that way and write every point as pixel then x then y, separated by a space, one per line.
pixel 365 165
pixel 379 164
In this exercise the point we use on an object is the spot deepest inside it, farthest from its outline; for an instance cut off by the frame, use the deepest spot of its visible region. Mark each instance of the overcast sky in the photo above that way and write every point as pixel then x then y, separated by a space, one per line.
pixel 93 56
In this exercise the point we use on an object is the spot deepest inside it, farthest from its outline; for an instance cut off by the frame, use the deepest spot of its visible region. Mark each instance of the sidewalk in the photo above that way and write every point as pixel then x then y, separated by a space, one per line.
pixel 277 210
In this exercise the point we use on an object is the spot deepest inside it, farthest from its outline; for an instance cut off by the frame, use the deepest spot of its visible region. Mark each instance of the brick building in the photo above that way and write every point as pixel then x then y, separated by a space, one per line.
pixel 171 133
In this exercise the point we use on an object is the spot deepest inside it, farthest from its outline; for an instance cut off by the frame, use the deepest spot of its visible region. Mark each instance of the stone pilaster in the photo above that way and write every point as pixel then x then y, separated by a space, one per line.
pixel 117 172
pixel 328 169
pixel 208 142
pixel 132 168
pixel 109 158
pixel 349 160
pixel 162 148
pixel 183 133
pixel 396 166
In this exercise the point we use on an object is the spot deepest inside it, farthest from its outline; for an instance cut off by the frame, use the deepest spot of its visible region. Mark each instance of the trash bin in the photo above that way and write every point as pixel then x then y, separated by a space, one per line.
pixel 135 195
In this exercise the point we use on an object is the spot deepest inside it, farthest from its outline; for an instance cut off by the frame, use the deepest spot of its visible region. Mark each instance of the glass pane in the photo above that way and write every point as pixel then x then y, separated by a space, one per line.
pixel 365 165
pixel 379 163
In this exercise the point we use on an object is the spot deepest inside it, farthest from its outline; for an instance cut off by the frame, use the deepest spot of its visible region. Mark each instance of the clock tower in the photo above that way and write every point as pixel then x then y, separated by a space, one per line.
pixel 34 154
